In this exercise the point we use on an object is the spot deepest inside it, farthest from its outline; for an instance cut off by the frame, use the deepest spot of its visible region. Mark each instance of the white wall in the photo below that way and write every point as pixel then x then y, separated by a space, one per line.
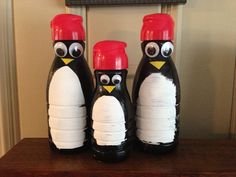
pixel 34 56
pixel 207 67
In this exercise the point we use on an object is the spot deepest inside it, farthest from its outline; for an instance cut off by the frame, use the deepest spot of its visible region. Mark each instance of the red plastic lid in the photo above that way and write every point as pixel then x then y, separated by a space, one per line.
pixel 157 27
pixel 67 27
pixel 110 55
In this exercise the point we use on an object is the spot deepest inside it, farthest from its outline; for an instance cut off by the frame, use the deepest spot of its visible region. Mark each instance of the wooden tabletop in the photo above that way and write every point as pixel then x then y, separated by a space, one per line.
pixel 193 158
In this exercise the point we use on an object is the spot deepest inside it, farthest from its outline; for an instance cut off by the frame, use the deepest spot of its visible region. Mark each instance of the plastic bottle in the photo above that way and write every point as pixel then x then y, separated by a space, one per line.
pixel 69 87
pixel 156 89
pixel 112 117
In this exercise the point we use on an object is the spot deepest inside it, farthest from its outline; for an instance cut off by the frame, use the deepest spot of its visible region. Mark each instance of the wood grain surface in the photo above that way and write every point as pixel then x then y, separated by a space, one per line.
pixel 193 158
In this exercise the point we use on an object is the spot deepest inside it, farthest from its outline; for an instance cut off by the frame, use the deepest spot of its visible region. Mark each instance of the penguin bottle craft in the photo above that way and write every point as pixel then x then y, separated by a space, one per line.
pixel 112 117
pixel 156 89
pixel 70 86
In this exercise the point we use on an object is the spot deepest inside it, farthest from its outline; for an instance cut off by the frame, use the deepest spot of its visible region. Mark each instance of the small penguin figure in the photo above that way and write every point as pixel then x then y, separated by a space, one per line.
pixel 112 115
pixel 69 87
pixel 156 89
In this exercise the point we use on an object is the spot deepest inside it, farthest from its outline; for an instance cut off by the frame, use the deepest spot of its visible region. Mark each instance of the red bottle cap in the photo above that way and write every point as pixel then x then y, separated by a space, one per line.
pixel 110 55
pixel 67 27
pixel 157 27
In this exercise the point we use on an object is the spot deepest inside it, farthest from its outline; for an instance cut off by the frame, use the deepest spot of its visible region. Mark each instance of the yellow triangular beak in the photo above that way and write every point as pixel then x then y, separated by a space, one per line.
pixel 158 64
pixel 109 88
pixel 67 60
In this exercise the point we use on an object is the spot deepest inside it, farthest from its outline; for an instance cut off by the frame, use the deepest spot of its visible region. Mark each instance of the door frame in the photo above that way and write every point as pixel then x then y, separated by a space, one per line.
pixel 232 131
pixel 9 111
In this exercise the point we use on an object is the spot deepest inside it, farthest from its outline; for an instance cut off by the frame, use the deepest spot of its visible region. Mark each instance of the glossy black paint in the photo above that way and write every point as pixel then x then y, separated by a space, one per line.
pixel 115 153
pixel 81 69
pixel 169 70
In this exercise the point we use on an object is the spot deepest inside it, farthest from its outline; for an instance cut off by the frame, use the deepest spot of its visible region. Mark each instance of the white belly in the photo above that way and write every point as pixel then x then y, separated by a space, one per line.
pixel 67 111
pixel 156 112
pixel 108 121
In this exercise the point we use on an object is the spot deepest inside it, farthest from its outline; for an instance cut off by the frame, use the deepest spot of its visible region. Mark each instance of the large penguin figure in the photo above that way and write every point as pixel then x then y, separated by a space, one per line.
pixel 112 117
pixel 156 90
pixel 70 86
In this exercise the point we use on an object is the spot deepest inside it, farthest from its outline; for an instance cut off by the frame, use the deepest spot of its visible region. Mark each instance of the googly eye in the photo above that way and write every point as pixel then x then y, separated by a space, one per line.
pixel 76 50
pixel 116 79
pixel 167 49
pixel 60 49
pixel 152 49
pixel 104 79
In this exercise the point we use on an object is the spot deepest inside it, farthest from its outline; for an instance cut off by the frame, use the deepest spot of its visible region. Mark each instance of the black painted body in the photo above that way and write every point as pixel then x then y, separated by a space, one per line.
pixel 168 70
pixel 81 69
pixel 115 153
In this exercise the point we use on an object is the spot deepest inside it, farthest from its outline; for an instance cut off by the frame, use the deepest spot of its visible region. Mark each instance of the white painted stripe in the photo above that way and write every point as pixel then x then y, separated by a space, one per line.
pixel 65 88
pixel 68 123
pixel 155 112
pixel 109 127
pixel 156 137
pixel 107 109
pixel 156 124
pixel 67 136
pixel 157 102
pixel 68 145
pixel 157 90
pixel 66 111
pixel 110 143
pixel 109 136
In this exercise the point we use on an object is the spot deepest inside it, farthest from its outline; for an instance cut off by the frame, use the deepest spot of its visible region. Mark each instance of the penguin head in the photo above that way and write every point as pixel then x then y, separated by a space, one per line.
pixel 157 33
pixel 157 53
pixel 110 63
pixel 68 51
pixel 110 81
pixel 68 35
